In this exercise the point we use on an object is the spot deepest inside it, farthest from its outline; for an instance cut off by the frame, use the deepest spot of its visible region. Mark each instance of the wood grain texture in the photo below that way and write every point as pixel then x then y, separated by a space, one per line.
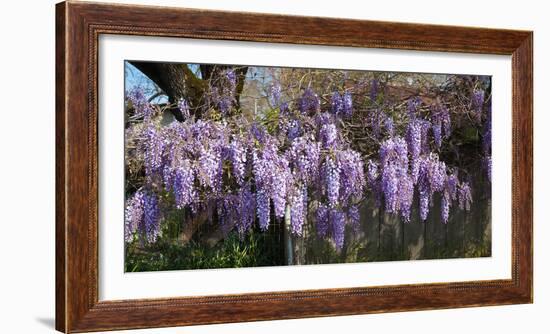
pixel 78 26
pixel 60 98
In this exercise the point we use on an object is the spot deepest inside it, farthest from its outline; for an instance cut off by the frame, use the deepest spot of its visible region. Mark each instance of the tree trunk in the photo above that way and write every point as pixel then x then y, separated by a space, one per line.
pixel 177 81
pixel 212 238
pixel 191 226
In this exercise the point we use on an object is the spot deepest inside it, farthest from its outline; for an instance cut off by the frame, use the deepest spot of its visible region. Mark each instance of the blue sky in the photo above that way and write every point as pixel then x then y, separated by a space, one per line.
pixel 133 78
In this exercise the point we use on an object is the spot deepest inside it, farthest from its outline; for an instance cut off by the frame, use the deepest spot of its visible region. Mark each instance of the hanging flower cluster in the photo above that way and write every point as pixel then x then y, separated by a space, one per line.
pixel 302 170
pixel 408 163
pixel 248 172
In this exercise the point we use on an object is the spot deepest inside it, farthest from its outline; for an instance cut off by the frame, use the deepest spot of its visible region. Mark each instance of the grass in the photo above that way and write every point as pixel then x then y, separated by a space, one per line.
pixel 251 251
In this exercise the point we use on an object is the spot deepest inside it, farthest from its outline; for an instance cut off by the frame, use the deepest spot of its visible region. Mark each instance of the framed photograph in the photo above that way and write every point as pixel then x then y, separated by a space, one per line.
pixel 222 167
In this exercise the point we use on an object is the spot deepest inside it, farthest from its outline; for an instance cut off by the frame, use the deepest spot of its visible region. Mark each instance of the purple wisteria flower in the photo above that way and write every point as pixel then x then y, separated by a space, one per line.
pixel 425 146
pixel 328 135
pixel 140 103
pixel 322 224
pixel 183 184
pixel 133 215
pixel 294 130
pixel 405 197
pixel 142 216
pixel 155 145
pixel 336 103
pixel 478 98
pixel 298 209
pixel 274 94
pixel 414 146
pixel 209 168
pixel 226 208
pixel 272 174
pixel 347 102
pixel 338 224
pixel 354 218
pixel 151 216
pixel 309 102
pixel 304 158
pixel 372 172
pixel 445 207
pixel 238 157
pixel 394 164
pixel 441 123
pixel 436 129
pixel 283 107
pixel 222 93
pixel 451 185
pixel 332 178
pixel 231 78
pixel 373 90
pixel 247 210
pixel 432 177
pixel 352 176
pixel 464 196
pixel 280 177
pixel 323 118
pixel 262 208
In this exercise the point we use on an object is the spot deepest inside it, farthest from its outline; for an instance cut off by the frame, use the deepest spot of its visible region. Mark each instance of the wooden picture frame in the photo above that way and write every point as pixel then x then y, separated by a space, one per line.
pixel 78 26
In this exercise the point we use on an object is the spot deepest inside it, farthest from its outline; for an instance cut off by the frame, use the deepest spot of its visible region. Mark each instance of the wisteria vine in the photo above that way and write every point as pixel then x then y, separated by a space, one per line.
pixel 304 169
